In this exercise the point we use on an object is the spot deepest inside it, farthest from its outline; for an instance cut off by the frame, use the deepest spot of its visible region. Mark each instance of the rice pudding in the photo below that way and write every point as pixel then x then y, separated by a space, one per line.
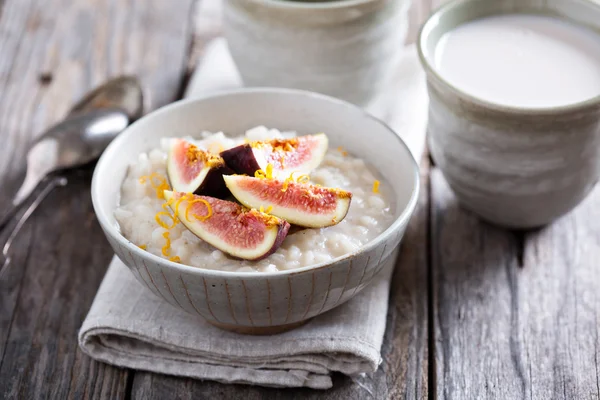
pixel 369 214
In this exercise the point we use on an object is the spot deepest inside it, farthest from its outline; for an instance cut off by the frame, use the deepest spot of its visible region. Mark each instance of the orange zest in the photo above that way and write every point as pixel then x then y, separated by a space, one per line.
pixel 267 211
pixel 187 196
pixel 158 182
pixel 287 182
pixel 166 250
pixel 267 174
pixel 278 144
pixel 341 150
pixel 303 179
pixel 159 220
pixel 376 186
pixel 167 204
pixel 143 246
pixel 202 218
pixel 194 155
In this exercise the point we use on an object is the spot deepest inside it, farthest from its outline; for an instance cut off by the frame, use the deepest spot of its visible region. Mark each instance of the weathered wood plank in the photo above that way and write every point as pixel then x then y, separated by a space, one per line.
pixel 510 331
pixel 51 52
pixel 58 277
pixel 405 347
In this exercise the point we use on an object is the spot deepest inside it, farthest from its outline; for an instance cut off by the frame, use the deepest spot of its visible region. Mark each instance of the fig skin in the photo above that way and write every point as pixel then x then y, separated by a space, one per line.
pixel 243 159
pixel 282 232
pixel 235 220
pixel 301 204
pixel 211 185
pixel 214 185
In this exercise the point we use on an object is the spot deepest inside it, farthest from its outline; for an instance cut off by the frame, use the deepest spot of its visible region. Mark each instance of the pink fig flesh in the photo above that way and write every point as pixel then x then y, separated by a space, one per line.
pixel 192 170
pixel 241 233
pixel 301 204
pixel 301 155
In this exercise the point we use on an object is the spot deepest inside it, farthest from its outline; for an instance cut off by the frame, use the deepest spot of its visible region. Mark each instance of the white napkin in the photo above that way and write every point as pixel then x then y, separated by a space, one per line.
pixel 129 327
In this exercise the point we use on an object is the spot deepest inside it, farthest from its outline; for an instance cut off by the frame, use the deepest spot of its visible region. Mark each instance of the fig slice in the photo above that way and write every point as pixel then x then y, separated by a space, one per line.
pixel 193 170
pixel 239 232
pixel 301 155
pixel 301 204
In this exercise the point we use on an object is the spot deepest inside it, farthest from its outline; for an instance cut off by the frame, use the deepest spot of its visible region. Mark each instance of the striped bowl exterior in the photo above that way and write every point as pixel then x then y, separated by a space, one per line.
pixel 260 301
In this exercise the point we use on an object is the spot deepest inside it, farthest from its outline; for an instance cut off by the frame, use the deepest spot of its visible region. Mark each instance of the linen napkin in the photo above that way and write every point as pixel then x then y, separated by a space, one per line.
pixel 129 327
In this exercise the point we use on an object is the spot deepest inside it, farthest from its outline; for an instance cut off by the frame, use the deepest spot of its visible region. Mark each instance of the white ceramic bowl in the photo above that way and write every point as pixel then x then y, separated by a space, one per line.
pixel 260 302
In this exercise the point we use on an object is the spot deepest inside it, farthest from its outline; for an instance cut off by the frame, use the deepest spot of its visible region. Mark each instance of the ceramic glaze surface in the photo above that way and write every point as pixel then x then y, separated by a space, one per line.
pixel 346 49
pixel 264 302
pixel 522 60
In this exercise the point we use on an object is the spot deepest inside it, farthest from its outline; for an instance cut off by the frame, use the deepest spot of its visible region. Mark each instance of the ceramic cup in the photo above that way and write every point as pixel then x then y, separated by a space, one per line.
pixel 519 168
pixel 344 48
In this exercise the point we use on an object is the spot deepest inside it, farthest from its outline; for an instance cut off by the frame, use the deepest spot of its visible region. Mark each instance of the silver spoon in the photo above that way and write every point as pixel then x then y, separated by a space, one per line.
pixel 93 122
pixel 124 93
pixel 90 125
pixel 71 143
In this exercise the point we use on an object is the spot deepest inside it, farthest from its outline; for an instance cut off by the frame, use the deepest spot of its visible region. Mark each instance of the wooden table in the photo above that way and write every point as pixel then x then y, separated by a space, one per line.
pixel 475 311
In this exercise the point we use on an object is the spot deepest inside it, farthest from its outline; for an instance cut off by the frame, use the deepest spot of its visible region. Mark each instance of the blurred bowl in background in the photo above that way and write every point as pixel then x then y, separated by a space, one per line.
pixel 344 48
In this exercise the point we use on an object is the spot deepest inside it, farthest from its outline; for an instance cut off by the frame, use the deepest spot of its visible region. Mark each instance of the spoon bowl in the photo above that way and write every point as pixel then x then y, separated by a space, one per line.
pixel 71 143
pixel 124 93
pixel 89 127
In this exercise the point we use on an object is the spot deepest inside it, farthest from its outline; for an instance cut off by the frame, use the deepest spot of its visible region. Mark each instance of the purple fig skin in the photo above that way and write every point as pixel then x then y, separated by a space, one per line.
pixel 282 233
pixel 241 159
pixel 214 185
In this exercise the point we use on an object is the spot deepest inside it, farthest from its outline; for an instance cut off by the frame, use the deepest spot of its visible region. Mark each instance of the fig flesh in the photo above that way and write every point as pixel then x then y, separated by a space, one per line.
pixel 241 233
pixel 301 155
pixel 301 204
pixel 193 170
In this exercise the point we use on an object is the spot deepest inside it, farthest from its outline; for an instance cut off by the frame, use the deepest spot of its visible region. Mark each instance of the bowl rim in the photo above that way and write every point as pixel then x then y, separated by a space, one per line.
pixel 111 230
pixel 433 20
pixel 313 5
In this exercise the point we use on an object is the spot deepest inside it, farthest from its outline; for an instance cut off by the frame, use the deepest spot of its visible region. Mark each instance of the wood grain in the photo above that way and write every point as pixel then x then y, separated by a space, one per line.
pixel 509 331
pixel 54 279
pixel 51 52
pixel 405 346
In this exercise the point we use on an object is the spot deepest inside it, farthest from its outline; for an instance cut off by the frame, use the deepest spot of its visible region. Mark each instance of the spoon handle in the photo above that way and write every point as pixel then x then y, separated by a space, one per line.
pixel 51 183
pixel 26 193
